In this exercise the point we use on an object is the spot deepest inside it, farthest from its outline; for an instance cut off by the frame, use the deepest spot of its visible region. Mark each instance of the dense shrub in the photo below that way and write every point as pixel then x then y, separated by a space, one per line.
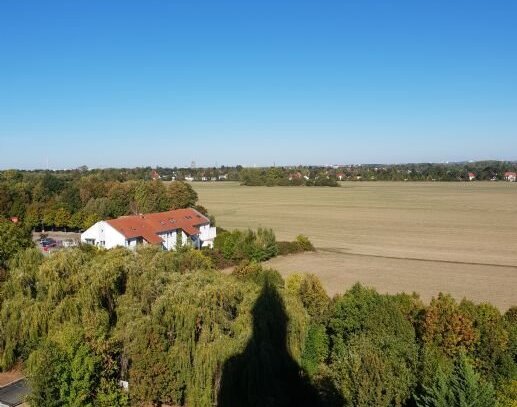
pixel 247 245
pixel 373 350
pixel 447 326
pixel 253 271
pixel 301 244
pixel 13 238
pixel 462 387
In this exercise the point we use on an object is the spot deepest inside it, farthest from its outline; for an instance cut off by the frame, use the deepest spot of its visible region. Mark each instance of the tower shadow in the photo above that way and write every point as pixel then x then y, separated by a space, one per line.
pixel 265 374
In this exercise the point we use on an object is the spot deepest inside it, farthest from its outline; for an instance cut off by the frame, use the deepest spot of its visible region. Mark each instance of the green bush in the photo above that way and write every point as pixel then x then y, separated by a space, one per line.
pixel 301 244
pixel 304 243
pixel 373 349
pixel 248 245
pixel 253 271
pixel 463 387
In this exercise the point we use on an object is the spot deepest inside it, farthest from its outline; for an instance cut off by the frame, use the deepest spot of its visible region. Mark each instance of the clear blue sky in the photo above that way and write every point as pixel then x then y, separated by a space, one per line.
pixel 127 83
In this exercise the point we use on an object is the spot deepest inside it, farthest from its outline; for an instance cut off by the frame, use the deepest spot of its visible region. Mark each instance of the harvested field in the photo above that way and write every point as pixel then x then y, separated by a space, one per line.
pixel 425 237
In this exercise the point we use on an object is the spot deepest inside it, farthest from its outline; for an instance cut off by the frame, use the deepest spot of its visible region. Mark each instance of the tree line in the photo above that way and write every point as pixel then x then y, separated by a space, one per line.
pixel 181 333
pixel 76 201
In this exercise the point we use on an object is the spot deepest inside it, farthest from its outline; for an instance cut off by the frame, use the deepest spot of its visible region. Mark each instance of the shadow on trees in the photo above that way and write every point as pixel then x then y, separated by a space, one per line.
pixel 265 374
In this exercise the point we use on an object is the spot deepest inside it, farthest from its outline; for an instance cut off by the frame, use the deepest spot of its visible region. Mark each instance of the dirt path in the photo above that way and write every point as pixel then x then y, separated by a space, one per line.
pixel 10 376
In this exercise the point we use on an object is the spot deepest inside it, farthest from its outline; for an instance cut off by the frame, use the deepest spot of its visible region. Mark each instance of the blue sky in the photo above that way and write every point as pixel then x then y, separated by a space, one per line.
pixel 133 83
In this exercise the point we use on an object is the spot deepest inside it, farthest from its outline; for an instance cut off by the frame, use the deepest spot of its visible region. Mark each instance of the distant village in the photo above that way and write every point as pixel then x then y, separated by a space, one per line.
pixel 299 174
pixel 477 171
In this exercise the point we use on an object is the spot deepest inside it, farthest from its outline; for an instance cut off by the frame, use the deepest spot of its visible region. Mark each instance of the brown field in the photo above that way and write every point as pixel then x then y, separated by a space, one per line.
pixel 425 237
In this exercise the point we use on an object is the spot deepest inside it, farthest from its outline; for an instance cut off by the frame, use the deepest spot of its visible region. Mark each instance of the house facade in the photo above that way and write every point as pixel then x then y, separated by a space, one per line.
pixel 167 229
pixel 510 176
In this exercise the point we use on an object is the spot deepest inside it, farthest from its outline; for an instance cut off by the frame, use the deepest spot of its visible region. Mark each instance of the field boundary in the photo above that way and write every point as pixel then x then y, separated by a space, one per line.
pixel 380 256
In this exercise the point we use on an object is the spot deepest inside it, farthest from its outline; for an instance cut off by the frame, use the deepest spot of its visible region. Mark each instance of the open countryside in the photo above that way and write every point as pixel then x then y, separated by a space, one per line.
pixel 424 237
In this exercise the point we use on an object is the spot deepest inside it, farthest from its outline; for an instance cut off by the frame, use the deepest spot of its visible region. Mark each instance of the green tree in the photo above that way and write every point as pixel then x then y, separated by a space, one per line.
pixel 13 239
pixel 120 197
pixel 447 326
pixel 313 296
pixel 151 196
pixel 61 218
pixel 64 371
pixel 181 195
pixel 316 349
pixel 373 349
pixel 463 388
pixel 490 352
pixel 265 246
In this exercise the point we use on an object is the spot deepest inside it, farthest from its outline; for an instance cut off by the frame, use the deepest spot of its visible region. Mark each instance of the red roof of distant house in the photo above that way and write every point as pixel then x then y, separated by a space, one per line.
pixel 471 174
pixel 148 226
pixel 510 174
pixel 155 175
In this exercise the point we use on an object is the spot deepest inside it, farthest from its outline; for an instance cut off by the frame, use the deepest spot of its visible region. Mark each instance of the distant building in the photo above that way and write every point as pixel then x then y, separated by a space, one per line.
pixel 295 176
pixel 340 176
pixel 223 177
pixel 472 176
pixel 155 176
pixel 166 229
pixel 510 176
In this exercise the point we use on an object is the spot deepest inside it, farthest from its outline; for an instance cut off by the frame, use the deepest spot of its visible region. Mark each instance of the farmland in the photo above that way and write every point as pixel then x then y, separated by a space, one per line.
pixel 425 237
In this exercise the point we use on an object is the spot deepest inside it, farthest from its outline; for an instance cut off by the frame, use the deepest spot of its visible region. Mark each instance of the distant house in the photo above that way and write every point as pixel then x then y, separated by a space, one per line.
pixel 223 177
pixel 166 229
pixel 155 176
pixel 510 176
pixel 340 176
pixel 295 176
pixel 189 178
pixel 472 176
pixel 15 219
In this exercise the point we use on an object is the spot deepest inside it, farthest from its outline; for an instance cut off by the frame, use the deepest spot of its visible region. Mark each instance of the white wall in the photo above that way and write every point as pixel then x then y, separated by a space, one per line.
pixel 207 235
pixel 103 235
pixel 169 239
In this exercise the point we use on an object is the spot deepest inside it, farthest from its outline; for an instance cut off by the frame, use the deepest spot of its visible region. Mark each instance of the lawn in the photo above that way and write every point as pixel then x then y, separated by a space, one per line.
pixel 425 237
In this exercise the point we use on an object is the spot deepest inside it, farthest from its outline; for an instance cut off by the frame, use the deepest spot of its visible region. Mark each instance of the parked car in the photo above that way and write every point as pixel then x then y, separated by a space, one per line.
pixel 47 243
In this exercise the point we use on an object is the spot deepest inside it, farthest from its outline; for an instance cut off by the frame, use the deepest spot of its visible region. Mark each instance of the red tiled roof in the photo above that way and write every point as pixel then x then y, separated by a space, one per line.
pixel 509 174
pixel 149 225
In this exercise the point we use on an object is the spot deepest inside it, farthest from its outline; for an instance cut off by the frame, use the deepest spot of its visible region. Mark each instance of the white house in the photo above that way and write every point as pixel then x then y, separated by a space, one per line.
pixel 167 229
pixel 510 176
